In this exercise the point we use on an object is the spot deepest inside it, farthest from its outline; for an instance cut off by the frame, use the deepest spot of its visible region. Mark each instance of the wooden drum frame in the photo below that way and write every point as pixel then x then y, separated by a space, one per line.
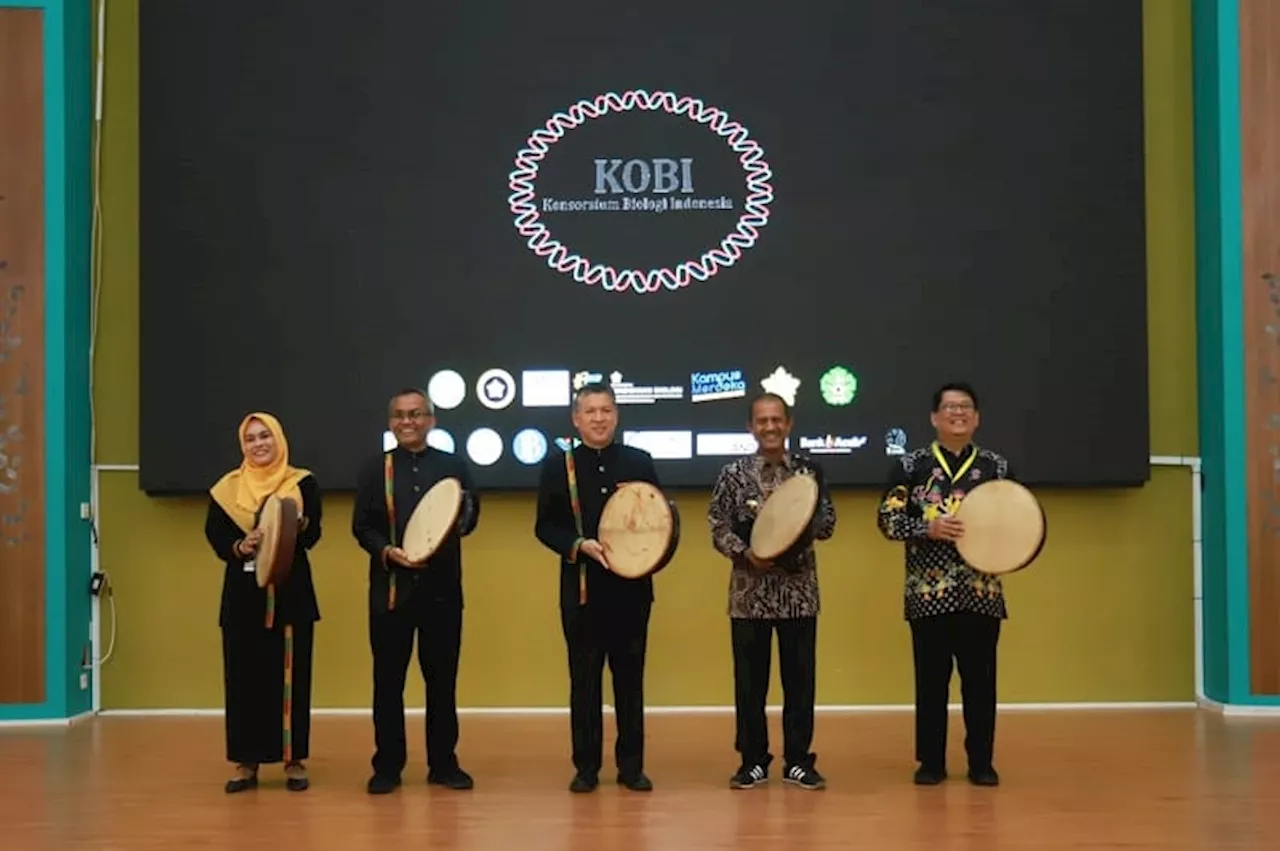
pixel 279 521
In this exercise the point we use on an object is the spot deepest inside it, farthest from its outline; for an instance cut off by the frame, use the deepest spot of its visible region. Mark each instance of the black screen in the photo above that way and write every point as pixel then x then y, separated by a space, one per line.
pixel 854 200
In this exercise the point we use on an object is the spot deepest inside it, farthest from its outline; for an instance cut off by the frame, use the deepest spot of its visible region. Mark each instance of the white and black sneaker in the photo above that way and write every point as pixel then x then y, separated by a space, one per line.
pixel 804 776
pixel 749 776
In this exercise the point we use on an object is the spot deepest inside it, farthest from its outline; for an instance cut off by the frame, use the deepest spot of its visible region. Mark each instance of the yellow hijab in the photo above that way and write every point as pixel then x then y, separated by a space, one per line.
pixel 242 491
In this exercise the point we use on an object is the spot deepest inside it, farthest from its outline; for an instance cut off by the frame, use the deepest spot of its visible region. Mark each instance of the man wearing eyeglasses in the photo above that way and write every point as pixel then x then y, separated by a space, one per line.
pixel 954 611
pixel 407 598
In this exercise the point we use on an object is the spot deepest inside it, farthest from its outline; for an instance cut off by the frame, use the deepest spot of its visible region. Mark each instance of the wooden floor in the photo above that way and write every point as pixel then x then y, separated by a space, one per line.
pixel 1171 779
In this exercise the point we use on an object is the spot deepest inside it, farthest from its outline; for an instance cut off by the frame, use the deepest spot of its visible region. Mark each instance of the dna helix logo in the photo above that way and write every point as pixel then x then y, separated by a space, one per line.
pixel 523 200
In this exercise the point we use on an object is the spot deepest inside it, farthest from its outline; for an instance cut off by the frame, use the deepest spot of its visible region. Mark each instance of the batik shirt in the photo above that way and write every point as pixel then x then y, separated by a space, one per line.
pixel 923 485
pixel 784 590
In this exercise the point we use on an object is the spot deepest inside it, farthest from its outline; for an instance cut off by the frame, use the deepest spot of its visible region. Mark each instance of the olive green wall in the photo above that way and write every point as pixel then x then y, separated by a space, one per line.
pixel 1105 615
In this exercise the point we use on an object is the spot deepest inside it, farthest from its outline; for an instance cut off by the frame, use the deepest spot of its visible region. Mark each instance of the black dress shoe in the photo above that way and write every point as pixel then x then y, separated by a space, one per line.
pixel 296 774
pixel 636 782
pixel 584 782
pixel 984 776
pixel 246 778
pixel 456 779
pixel 381 784
pixel 930 776
pixel 241 784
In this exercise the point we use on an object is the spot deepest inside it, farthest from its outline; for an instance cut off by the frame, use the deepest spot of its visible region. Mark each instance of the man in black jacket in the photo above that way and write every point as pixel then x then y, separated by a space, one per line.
pixel 405 598
pixel 604 616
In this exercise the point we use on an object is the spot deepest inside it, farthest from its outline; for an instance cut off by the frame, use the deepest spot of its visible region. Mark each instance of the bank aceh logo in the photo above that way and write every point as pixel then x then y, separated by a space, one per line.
pixel 523 200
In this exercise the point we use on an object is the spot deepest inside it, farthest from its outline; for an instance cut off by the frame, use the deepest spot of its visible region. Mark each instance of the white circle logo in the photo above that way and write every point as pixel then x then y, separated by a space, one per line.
pixel 523 200
pixel 496 388
pixel 441 439
pixel 529 446
pixel 446 389
pixel 484 446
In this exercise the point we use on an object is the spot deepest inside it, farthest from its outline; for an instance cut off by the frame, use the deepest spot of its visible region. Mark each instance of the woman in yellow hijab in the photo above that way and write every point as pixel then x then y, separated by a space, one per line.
pixel 267 633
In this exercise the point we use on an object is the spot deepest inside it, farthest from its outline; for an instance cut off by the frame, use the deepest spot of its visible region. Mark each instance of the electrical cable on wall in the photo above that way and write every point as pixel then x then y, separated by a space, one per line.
pixel 108 592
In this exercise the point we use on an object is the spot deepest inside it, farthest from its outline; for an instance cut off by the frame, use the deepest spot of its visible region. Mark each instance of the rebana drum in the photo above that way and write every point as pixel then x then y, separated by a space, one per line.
pixel 640 530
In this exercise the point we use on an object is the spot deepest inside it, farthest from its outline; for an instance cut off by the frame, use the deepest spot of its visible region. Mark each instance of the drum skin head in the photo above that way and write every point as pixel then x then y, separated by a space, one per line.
pixel 639 528
pixel 785 516
pixel 1004 527
pixel 279 524
pixel 432 520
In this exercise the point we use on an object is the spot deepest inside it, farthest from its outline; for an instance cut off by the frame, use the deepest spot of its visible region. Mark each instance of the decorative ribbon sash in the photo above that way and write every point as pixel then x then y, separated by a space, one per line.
pixel 389 492
pixel 576 504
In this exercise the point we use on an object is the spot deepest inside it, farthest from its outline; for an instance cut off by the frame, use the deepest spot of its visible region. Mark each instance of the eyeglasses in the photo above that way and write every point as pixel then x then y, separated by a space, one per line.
pixel 408 415
pixel 957 407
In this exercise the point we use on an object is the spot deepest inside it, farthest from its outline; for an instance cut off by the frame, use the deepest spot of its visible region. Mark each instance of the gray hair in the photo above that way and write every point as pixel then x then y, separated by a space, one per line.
pixel 410 391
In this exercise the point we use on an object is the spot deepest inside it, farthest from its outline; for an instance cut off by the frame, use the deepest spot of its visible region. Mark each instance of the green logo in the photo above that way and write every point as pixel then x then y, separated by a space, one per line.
pixel 838 386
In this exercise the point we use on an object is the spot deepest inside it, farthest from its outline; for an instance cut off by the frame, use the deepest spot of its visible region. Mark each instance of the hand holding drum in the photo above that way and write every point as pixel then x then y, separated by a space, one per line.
pixel 248 545
pixel 595 550
pixel 398 557
pixel 946 528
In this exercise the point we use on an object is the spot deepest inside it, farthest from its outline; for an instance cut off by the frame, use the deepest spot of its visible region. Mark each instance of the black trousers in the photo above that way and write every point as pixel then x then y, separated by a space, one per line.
pixel 438 625
pixel 797 659
pixel 619 635
pixel 970 639
pixel 253 660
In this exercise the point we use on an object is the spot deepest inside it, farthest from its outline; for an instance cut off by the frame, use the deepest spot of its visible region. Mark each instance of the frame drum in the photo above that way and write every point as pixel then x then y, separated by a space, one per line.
pixel 1004 527
pixel 640 530
pixel 432 520
pixel 278 521
pixel 782 528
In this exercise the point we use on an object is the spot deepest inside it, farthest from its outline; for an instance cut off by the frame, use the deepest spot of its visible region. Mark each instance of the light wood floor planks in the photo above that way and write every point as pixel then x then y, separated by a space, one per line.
pixel 1168 779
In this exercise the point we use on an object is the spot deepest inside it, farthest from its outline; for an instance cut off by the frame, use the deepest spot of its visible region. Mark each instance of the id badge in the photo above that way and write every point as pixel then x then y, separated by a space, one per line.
pixel 250 566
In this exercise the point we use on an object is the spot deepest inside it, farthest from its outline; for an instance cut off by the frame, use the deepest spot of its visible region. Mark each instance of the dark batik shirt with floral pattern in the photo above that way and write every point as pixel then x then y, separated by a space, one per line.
pixel 784 590
pixel 923 485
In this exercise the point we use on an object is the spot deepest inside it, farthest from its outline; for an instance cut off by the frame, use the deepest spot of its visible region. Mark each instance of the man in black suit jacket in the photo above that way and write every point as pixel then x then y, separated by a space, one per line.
pixel 605 617
pixel 405 599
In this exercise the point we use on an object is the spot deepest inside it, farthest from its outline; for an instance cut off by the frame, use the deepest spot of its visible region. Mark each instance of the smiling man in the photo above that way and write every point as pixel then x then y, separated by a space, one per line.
pixel 407 598
pixel 605 617
pixel 765 597
pixel 954 611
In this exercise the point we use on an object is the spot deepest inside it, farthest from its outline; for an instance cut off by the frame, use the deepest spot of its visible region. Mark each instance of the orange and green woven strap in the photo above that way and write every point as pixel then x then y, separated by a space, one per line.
pixel 576 504
pixel 389 493
pixel 271 606
pixel 288 694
